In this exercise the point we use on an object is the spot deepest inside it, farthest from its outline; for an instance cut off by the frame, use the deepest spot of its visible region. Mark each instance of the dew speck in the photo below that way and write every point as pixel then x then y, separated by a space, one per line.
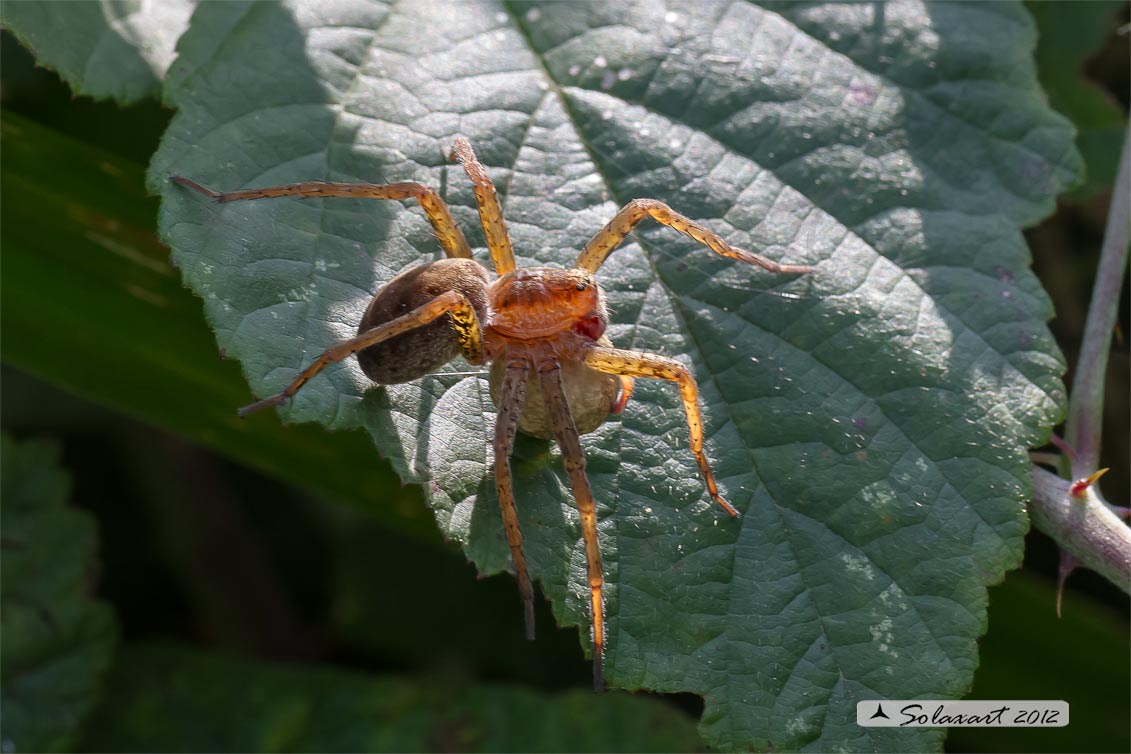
pixel 608 79
pixel 574 70
pixel 500 17
pixel 647 510
pixel 600 61
pixel 675 144
pixel 533 15
pixel 606 114
pixel 624 74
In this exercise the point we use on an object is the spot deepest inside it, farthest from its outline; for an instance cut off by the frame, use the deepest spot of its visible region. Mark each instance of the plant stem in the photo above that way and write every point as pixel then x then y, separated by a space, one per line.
pixel 1085 407
pixel 1083 526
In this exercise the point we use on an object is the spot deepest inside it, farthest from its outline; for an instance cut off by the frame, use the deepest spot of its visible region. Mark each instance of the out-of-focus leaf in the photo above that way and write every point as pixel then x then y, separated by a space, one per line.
pixel 57 641
pixel 102 48
pixel 1070 33
pixel 90 302
pixel 162 698
pixel 869 420
pixel 1082 657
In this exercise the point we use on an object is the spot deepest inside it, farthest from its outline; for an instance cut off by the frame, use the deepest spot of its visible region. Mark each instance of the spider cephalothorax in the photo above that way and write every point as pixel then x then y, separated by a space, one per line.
pixel 553 374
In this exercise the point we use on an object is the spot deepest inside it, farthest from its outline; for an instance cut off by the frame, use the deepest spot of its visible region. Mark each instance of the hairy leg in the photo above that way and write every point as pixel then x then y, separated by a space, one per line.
pixel 573 458
pixel 449 234
pixel 511 396
pixel 638 364
pixel 490 213
pixel 464 319
pixel 613 234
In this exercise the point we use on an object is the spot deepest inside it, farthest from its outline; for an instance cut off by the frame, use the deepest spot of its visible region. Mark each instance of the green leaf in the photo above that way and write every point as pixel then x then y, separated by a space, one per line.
pixel 119 328
pixel 57 641
pixel 870 419
pixel 117 50
pixel 163 698
pixel 1070 33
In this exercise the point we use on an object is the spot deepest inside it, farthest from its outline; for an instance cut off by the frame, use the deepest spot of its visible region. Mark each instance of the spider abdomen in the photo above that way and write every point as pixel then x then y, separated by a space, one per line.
pixel 418 352
pixel 590 394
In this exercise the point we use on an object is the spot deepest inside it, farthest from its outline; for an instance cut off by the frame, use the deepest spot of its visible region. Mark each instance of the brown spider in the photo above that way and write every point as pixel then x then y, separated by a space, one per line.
pixel 542 328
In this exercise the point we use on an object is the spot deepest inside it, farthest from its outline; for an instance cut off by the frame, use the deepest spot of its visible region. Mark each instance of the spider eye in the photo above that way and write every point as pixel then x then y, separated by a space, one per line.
pixel 582 286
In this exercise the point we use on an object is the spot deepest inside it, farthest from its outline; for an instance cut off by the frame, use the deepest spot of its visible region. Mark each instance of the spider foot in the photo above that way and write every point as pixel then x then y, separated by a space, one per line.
pixel 274 400
pixel 726 506
pixel 528 615
pixel 195 186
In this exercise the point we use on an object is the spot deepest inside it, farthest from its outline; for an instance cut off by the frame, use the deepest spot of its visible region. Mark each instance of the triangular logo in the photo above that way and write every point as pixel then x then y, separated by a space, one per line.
pixel 879 713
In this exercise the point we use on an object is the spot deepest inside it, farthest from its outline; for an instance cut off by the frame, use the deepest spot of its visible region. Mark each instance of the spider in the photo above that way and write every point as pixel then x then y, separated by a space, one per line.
pixel 554 373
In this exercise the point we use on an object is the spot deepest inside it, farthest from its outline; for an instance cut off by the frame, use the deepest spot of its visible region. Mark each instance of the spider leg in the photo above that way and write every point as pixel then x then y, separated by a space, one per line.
pixel 490 213
pixel 511 396
pixel 573 458
pixel 464 321
pixel 638 364
pixel 448 233
pixel 614 233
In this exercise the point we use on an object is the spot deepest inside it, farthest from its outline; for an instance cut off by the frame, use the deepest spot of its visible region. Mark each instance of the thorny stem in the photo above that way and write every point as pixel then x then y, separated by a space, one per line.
pixel 1085 526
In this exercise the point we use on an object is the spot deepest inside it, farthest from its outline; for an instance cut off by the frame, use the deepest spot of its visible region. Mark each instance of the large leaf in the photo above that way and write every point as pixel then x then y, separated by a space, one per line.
pixel 57 641
pixel 106 48
pixel 172 699
pixel 869 420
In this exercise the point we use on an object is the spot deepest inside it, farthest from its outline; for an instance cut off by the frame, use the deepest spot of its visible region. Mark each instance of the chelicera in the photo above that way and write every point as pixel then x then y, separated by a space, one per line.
pixel 554 374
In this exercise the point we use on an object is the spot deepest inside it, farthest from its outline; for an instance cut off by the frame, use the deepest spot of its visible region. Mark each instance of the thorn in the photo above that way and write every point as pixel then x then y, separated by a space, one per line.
pixel 1059 443
pixel 1080 486
pixel 1068 564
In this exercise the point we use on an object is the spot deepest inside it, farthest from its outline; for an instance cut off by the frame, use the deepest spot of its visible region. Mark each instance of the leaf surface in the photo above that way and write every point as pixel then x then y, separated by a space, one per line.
pixel 104 49
pixel 57 641
pixel 869 419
